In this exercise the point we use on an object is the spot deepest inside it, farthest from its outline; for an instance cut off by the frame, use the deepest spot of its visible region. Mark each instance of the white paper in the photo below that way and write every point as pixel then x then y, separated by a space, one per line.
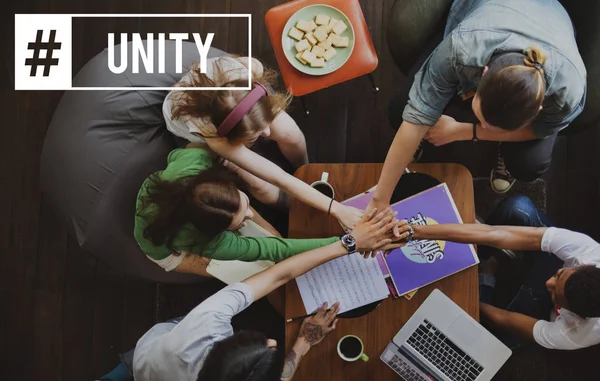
pixel 352 280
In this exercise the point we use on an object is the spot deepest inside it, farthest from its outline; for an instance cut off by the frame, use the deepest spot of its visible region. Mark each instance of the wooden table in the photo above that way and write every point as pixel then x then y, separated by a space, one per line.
pixel 378 327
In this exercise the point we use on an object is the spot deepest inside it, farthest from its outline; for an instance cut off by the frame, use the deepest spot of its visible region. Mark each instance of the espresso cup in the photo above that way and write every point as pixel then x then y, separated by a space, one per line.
pixel 350 348
pixel 323 186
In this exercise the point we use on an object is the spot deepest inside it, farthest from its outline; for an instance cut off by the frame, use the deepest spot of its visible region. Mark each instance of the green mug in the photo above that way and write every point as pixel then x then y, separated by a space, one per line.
pixel 350 348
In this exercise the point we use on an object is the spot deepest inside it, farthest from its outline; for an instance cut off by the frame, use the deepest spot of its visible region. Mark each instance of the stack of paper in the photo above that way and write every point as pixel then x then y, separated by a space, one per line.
pixel 351 280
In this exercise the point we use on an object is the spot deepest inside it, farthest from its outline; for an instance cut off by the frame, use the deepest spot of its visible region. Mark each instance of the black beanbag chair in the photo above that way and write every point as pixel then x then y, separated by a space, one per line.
pixel 100 147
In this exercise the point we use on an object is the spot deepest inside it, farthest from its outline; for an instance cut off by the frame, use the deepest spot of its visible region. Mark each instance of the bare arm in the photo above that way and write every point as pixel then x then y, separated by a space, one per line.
pixel 268 171
pixel 312 332
pixel 292 360
pixel 290 139
pixel 520 135
pixel 193 264
pixel 400 154
pixel 515 322
pixel 502 237
pixel 448 130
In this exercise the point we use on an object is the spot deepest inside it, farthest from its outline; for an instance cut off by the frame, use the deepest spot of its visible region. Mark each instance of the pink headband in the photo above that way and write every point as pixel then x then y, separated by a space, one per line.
pixel 242 109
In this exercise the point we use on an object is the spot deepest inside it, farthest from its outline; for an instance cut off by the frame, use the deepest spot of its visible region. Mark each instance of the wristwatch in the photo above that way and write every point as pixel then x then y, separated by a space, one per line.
pixel 349 243
pixel 475 139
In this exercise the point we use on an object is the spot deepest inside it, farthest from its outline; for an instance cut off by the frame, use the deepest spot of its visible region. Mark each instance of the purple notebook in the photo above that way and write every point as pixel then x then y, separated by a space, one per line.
pixel 423 262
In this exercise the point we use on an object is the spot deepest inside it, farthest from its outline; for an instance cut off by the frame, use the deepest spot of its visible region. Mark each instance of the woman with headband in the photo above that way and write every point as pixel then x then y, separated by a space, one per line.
pixel 228 122
pixel 517 69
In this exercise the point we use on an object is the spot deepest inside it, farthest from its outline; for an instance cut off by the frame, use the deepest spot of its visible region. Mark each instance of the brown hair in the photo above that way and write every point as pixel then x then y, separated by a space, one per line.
pixel 214 105
pixel 208 201
pixel 511 95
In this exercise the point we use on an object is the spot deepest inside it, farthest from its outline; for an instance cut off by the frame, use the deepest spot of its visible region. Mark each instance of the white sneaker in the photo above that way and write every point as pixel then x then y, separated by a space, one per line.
pixel 500 179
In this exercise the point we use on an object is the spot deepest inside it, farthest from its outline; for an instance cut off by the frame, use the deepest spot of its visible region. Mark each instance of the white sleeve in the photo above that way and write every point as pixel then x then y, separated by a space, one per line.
pixel 213 317
pixel 226 303
pixel 561 335
pixel 171 262
pixel 573 248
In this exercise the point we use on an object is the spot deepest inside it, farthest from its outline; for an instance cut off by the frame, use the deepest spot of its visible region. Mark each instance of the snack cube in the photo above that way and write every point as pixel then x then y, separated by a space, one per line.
pixel 296 34
pixel 318 51
pixel 322 20
pixel 299 57
pixel 319 62
pixel 339 28
pixel 311 38
pixel 321 33
pixel 329 54
pixel 331 24
pixel 306 25
pixel 308 56
pixel 302 45
pixel 342 42
pixel 327 43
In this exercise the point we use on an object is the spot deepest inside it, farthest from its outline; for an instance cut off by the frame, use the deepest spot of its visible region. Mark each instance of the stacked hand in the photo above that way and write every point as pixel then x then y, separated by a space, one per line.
pixel 376 231
pixel 348 216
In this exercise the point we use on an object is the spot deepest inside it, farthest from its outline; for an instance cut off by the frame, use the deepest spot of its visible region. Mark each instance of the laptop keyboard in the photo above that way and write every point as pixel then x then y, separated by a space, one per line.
pixel 404 369
pixel 440 351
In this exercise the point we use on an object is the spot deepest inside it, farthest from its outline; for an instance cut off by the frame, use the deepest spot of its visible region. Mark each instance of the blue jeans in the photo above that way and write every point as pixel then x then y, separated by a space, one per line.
pixel 533 298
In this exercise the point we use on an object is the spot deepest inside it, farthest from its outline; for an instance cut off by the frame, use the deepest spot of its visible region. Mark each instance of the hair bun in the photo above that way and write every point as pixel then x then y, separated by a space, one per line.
pixel 535 58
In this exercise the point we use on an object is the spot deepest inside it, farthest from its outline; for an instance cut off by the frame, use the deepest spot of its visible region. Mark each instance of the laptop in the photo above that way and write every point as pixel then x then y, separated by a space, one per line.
pixel 442 342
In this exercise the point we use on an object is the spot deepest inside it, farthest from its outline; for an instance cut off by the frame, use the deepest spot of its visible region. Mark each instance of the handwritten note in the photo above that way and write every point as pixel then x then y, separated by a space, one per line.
pixel 352 280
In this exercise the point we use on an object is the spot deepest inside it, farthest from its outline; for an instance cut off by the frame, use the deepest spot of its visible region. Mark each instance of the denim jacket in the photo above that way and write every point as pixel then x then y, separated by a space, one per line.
pixel 478 29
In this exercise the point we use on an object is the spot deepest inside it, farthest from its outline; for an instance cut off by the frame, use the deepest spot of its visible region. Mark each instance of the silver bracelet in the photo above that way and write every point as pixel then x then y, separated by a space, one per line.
pixel 411 233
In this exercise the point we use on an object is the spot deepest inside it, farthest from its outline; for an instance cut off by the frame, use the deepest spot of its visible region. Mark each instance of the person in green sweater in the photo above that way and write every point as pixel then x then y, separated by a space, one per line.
pixel 191 212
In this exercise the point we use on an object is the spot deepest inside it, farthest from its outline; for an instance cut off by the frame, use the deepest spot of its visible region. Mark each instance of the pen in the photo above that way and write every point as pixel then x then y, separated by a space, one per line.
pixel 303 317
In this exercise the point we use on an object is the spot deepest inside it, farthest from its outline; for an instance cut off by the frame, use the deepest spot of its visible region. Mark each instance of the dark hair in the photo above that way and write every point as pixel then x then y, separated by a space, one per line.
pixel 511 96
pixel 208 201
pixel 215 105
pixel 582 291
pixel 243 356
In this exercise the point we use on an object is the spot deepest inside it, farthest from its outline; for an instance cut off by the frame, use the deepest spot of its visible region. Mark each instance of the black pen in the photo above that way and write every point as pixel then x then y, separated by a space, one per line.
pixel 303 317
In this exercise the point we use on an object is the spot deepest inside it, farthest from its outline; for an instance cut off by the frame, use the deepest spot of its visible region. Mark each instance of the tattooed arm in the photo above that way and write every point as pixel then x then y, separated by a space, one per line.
pixel 312 332
pixel 292 360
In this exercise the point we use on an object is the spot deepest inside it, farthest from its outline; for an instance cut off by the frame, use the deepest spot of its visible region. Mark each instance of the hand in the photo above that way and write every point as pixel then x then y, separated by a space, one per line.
pixel 315 328
pixel 404 231
pixel 374 204
pixel 446 130
pixel 348 216
pixel 374 230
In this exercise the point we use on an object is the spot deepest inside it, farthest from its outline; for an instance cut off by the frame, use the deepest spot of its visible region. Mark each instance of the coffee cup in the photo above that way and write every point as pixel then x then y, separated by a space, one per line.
pixel 350 348
pixel 323 186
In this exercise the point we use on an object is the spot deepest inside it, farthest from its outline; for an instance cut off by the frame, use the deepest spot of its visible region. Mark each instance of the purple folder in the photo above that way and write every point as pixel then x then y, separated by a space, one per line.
pixel 420 263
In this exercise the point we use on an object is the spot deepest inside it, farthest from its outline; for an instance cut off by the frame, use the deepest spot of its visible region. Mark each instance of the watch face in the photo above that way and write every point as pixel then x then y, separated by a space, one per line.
pixel 348 240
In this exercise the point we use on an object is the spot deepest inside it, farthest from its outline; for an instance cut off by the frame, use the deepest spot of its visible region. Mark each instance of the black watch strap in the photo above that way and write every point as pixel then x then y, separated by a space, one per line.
pixel 475 139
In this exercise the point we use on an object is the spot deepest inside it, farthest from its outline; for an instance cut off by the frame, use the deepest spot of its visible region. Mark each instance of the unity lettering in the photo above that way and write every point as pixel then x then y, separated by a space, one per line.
pixel 146 53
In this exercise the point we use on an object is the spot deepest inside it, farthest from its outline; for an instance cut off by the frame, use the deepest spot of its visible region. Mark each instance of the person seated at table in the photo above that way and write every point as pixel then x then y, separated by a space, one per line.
pixel 228 122
pixel 203 346
pixel 191 212
pixel 558 305
pixel 521 82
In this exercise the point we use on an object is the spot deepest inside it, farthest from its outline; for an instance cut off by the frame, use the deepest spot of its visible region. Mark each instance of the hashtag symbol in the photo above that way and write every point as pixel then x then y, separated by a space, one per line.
pixel 38 46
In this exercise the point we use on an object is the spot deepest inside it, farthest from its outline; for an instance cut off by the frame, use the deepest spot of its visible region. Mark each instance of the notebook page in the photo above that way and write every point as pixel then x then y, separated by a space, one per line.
pixel 352 280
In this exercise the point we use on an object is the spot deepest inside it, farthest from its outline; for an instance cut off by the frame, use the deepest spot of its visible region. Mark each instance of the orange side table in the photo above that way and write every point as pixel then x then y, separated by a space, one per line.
pixel 363 60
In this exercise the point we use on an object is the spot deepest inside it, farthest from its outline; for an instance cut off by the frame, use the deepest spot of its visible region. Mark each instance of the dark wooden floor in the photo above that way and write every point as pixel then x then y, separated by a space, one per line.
pixel 65 315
